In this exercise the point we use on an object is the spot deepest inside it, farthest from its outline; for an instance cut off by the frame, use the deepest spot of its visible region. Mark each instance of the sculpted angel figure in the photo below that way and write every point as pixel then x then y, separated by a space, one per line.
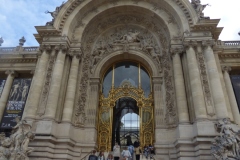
pixel 199 7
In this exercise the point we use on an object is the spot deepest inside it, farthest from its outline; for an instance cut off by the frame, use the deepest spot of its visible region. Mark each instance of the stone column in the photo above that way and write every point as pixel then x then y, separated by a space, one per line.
pixel 93 105
pixel 6 91
pixel 71 88
pixel 231 95
pixel 214 79
pixel 158 102
pixel 180 86
pixel 54 91
pixel 195 81
pixel 37 84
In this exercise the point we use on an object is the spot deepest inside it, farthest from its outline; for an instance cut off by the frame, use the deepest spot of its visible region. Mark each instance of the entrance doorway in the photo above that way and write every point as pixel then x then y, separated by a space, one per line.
pixel 125 112
pixel 126 122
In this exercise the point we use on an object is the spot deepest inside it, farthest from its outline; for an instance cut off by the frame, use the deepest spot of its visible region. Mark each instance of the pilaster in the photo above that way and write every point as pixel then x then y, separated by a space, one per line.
pixel 231 95
pixel 214 79
pixel 54 91
pixel 6 91
pixel 183 114
pixel 195 81
pixel 72 86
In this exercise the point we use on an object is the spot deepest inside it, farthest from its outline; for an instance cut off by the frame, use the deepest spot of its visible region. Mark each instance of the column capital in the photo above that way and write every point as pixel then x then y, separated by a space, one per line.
pixel 190 43
pixel 61 47
pixel 11 73
pixel 208 43
pixel 45 48
pixel 75 53
pixel 176 50
pixel 226 69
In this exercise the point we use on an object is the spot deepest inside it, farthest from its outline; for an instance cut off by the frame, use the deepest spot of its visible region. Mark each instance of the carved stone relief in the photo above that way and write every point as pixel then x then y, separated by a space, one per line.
pixel 171 112
pixel 226 146
pixel 205 83
pixel 16 146
pixel 46 86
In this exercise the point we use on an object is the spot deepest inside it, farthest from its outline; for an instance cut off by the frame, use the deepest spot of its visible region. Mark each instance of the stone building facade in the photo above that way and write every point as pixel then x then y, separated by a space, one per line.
pixel 189 70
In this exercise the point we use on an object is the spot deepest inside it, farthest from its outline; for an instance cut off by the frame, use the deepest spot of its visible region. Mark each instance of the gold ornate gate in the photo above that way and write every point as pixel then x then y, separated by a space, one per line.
pixel 105 115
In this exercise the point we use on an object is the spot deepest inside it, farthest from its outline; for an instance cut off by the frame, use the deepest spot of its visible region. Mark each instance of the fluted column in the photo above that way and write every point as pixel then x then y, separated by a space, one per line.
pixel 195 81
pixel 37 84
pixel 71 88
pixel 231 95
pixel 180 86
pixel 6 91
pixel 214 79
pixel 54 91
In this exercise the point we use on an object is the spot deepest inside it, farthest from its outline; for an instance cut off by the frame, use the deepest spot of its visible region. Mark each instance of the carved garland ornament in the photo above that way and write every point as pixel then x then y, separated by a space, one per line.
pixel 205 83
pixel 46 86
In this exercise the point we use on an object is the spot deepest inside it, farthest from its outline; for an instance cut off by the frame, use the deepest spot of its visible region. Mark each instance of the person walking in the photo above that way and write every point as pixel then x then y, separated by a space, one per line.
pixel 145 151
pixel 137 152
pixel 93 156
pixel 126 154
pixel 116 151
pixel 101 156
pixel 131 149
pixel 110 157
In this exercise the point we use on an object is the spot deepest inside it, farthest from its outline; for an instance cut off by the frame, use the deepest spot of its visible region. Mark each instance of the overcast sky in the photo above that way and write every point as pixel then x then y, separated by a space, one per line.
pixel 18 18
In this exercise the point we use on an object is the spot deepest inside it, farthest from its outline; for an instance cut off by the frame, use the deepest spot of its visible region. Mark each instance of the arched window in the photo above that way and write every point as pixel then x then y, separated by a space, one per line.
pixel 126 71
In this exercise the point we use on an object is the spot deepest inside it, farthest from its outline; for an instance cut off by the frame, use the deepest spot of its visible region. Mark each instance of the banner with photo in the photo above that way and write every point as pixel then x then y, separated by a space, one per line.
pixel 236 87
pixel 2 83
pixel 16 102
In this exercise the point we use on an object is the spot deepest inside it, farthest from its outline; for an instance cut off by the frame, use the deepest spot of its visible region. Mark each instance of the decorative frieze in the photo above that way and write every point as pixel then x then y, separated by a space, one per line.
pixel 46 85
pixel 204 79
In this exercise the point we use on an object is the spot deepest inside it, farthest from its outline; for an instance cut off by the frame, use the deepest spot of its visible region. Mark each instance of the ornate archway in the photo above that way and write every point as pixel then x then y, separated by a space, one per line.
pixel 105 114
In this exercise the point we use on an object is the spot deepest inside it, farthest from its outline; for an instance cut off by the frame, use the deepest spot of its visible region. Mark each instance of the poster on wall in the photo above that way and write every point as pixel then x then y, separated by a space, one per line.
pixel 2 83
pixel 16 102
pixel 236 87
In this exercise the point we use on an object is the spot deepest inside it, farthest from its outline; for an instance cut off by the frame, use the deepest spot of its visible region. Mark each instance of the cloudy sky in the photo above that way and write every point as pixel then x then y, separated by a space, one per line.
pixel 18 18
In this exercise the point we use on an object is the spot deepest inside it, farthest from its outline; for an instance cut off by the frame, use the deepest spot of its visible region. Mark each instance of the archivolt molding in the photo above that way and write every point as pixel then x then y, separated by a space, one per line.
pixel 80 10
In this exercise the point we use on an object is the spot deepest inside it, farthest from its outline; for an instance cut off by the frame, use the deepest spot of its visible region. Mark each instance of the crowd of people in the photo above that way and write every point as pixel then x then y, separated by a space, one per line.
pixel 127 153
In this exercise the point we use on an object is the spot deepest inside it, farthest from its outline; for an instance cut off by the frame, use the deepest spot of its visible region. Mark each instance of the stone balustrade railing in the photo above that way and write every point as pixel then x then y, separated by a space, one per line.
pixel 7 49
pixel 228 43
pixel 19 50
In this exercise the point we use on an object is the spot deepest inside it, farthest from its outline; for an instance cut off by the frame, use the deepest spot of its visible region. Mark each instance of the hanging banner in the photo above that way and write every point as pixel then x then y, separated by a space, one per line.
pixel 16 102
pixel 2 83
pixel 236 87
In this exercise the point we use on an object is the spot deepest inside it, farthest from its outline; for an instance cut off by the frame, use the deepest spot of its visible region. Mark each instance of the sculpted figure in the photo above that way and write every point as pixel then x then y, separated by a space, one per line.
pixel 199 7
pixel 130 37
pixel 16 147
pixel 226 146
pixel 5 149
pixel 230 136
pixel 54 14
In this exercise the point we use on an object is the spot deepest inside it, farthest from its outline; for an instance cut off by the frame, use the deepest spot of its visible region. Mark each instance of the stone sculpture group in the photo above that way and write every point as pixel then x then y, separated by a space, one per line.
pixel 226 145
pixel 16 147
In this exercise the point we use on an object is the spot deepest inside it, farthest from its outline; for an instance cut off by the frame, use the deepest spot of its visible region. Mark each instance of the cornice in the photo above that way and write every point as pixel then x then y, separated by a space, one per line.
pixel 235 55
pixel 208 25
pixel 28 60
